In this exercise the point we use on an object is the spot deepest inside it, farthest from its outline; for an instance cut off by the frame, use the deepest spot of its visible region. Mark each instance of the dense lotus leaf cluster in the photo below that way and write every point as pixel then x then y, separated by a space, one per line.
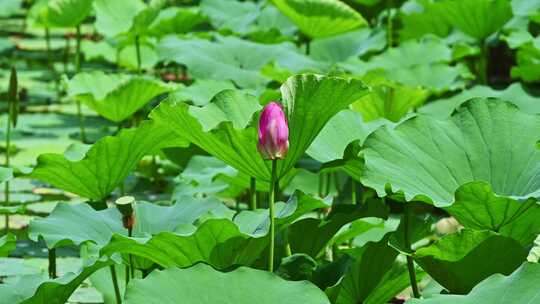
pixel 132 169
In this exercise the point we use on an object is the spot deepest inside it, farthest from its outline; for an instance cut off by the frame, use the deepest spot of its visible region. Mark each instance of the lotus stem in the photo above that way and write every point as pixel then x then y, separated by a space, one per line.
pixel 271 196
pixel 7 163
pixel 48 48
pixel 353 192
pixel 131 268
pixel 115 285
pixel 138 50
pixel 252 193
pixel 482 63
pixel 78 70
pixel 410 263
pixel 52 263
pixel 389 23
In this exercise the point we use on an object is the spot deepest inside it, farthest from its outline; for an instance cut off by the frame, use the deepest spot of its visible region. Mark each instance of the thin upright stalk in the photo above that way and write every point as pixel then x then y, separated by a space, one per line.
pixel 7 163
pixel 389 24
pixel 131 268
pixel 252 193
pixel 138 50
pixel 410 263
pixel 482 63
pixel 271 196
pixel 353 192
pixel 115 285
pixel 52 263
pixel 48 48
pixel 78 70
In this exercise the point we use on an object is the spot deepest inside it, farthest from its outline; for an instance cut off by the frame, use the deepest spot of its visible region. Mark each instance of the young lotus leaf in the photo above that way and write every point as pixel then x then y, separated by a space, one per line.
pixel 478 19
pixel 429 159
pixel 106 164
pixel 59 13
pixel 311 235
pixel 374 275
pixel 115 96
pixel 304 98
pixel 461 260
pixel 35 289
pixel 7 244
pixel 231 58
pixel 192 285
pixel 321 18
pixel 519 287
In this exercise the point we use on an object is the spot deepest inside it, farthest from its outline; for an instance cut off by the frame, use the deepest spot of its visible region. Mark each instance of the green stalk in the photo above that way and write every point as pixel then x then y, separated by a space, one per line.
pixel 410 263
pixel 482 63
pixel 6 184
pixel 48 47
pixel 390 26
pixel 271 195
pixel 138 50
pixel 353 192
pixel 78 70
pixel 115 285
pixel 52 263
pixel 131 268
pixel 252 193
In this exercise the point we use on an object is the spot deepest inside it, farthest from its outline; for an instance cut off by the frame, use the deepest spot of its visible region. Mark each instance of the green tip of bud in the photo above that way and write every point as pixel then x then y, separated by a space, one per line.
pixel 125 205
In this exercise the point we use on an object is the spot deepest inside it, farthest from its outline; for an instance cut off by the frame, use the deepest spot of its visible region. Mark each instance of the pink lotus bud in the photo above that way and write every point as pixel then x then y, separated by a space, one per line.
pixel 273 132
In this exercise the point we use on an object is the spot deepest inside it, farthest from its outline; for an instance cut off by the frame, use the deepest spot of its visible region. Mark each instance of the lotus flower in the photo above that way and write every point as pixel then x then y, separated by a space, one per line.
pixel 273 132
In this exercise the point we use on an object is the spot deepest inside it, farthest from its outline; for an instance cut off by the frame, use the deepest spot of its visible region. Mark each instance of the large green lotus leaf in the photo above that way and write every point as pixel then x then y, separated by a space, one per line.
pixel 201 284
pixel 231 14
pixel 107 163
pixel 477 207
pixel 78 224
pixel 115 96
pixel 352 44
pixel 231 58
pixel 219 242
pixel 101 50
pixel 528 58
pixel 515 93
pixel 132 17
pixel 429 159
pixel 461 260
pixel 8 243
pixel 35 289
pixel 342 129
pixel 519 287
pixel 371 264
pixel 311 235
pixel 59 13
pixel 309 102
pixel 321 18
pixel 9 7
pixel 416 24
pixel 390 101
pixel 176 20
pixel 478 19
pixel 200 93
pixel 128 57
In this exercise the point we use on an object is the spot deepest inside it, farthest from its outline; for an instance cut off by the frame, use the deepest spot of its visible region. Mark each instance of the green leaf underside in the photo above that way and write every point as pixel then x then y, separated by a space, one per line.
pixel 519 287
pixel 461 260
pixel 219 242
pixel 77 224
pixel 429 159
pixel 321 18
pixel 35 289
pixel 106 164
pixel 193 284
